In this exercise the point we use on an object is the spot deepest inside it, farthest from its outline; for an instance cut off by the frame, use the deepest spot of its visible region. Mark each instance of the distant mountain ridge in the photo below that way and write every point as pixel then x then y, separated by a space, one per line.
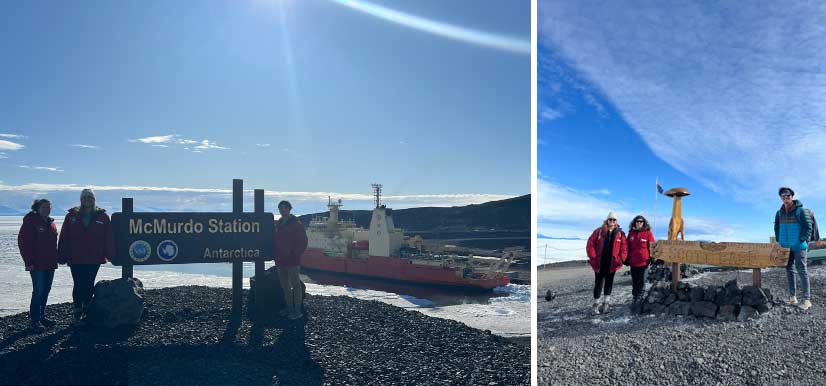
pixel 512 214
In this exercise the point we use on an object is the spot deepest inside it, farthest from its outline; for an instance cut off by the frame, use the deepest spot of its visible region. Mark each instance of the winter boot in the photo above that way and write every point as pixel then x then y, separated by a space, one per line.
pixel 595 307
pixel 606 304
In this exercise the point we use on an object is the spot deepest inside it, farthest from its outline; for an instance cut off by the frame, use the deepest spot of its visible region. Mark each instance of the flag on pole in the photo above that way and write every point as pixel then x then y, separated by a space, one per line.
pixel 659 188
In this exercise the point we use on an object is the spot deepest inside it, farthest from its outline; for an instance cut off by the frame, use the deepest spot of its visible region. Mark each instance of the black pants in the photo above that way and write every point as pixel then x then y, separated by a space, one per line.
pixel 83 276
pixel 638 281
pixel 603 276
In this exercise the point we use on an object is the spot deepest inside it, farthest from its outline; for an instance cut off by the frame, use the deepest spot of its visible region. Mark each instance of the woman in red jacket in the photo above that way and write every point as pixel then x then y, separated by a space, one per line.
pixel 86 242
pixel 290 243
pixel 606 251
pixel 640 240
pixel 37 241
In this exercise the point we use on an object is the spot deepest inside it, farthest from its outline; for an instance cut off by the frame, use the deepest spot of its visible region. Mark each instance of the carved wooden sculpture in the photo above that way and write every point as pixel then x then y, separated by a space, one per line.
pixel 676 225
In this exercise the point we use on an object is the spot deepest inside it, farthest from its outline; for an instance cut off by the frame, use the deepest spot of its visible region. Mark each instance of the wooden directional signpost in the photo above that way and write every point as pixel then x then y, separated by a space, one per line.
pixel 738 255
pixel 149 238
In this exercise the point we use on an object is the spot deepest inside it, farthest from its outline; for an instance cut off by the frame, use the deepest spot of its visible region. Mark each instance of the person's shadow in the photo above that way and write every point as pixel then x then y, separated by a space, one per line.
pixel 294 364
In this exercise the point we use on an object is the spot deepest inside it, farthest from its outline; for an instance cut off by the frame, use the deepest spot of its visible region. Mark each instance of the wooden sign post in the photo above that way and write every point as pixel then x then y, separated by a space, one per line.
pixel 150 238
pixel 737 255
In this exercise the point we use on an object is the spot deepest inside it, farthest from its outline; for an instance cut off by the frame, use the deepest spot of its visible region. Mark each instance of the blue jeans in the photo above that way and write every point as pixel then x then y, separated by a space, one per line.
pixel 797 259
pixel 42 284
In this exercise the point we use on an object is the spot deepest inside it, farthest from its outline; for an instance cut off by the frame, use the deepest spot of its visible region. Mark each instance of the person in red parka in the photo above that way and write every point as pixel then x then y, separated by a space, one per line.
pixel 640 241
pixel 290 243
pixel 86 242
pixel 606 249
pixel 37 241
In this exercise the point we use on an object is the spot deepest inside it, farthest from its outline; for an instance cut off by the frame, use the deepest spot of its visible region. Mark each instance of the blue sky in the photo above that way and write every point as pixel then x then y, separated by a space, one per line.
pixel 722 99
pixel 302 98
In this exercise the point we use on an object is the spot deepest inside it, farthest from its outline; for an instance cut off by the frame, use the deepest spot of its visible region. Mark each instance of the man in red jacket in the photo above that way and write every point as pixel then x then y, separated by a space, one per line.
pixel 37 241
pixel 290 243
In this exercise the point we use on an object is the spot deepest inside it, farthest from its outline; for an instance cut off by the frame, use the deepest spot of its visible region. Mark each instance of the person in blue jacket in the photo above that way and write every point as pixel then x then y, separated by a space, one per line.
pixel 793 229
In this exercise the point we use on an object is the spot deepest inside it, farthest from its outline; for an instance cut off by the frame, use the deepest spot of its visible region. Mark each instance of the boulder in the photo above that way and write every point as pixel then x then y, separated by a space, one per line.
pixel 653 308
pixel 550 295
pixel 729 295
pixel 680 308
pixel 697 294
pixel 728 312
pixel 671 298
pixel 710 293
pixel 272 299
pixel 116 303
pixel 753 296
pixel 747 312
pixel 704 309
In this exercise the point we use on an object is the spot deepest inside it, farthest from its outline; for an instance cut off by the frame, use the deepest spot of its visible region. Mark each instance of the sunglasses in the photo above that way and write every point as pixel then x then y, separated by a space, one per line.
pixel 640 221
pixel 785 195
pixel 612 220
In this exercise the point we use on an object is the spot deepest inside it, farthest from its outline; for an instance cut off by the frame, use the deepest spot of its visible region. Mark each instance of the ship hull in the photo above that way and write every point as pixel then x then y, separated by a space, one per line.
pixel 396 269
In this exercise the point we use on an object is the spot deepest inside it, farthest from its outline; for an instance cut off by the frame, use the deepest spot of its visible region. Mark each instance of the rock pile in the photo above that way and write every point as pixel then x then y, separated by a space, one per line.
pixel 661 271
pixel 728 302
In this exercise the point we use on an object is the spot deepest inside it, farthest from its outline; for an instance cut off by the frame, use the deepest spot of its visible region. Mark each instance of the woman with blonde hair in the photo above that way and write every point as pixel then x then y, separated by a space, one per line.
pixel 607 250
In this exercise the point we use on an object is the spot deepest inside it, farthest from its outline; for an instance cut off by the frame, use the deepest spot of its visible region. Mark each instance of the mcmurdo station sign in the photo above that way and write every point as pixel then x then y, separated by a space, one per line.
pixel 180 238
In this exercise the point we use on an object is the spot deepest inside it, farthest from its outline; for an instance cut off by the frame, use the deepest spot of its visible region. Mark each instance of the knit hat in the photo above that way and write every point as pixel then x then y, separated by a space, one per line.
pixel 611 215
pixel 87 192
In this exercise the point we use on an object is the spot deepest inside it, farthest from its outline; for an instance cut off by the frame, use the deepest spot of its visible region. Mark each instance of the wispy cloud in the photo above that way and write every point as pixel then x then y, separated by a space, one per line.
pixel 207 145
pixel 547 114
pixel 9 145
pixel 156 139
pixel 46 168
pixel 13 136
pixel 262 144
pixel 85 146
pixel 175 139
pixel 731 97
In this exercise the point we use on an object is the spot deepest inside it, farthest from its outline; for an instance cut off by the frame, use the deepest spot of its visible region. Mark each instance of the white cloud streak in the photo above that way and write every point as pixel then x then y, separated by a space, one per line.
pixel 12 136
pixel 9 145
pixel 730 96
pixel 44 168
pixel 85 146
pixel 175 139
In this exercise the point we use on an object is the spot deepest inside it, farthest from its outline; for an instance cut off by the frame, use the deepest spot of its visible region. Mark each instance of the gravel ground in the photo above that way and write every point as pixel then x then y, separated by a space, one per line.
pixel 782 347
pixel 187 337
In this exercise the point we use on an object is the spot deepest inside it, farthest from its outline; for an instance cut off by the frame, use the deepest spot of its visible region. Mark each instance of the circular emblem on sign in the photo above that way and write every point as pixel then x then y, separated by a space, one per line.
pixel 167 250
pixel 140 251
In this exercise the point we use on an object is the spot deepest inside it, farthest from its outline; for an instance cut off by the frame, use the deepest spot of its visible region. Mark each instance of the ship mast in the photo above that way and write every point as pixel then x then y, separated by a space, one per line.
pixel 333 206
pixel 377 192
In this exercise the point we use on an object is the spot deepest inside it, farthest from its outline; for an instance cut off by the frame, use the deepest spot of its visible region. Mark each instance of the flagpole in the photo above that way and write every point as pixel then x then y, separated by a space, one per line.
pixel 656 193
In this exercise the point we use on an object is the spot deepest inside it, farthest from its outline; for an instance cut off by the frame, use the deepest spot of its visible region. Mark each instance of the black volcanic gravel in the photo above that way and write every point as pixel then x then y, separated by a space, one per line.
pixel 783 347
pixel 187 337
